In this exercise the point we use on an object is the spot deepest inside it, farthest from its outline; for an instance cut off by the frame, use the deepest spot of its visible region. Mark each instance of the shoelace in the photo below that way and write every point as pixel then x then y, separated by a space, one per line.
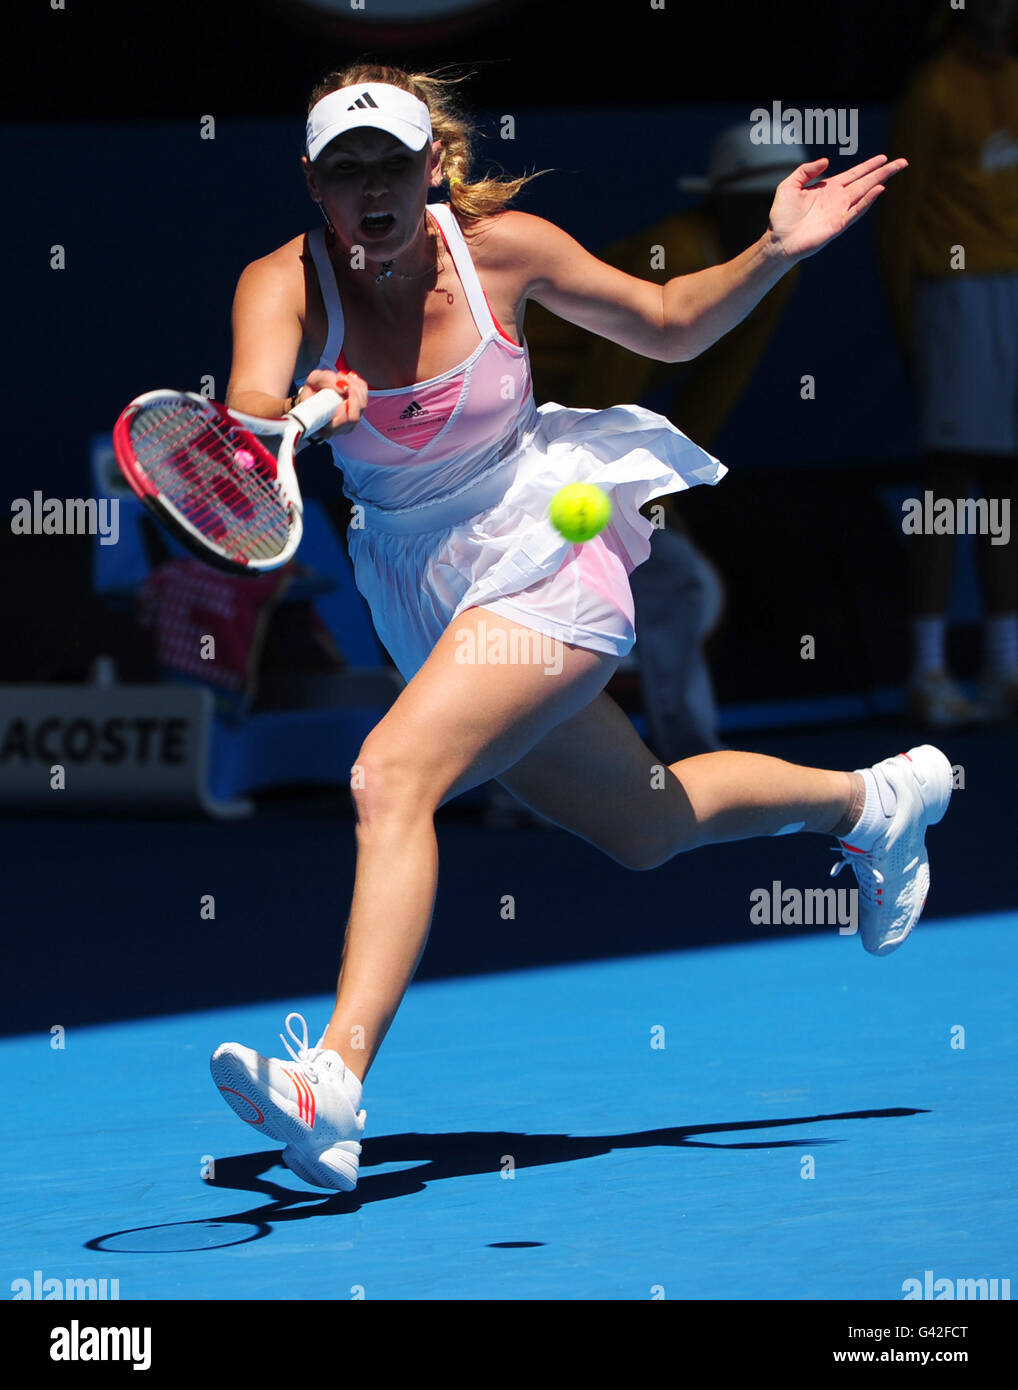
pixel 868 880
pixel 305 1056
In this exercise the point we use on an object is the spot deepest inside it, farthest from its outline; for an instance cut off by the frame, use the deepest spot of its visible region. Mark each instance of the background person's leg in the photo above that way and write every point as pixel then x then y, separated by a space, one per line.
pixel 934 696
pixel 678 599
pixel 998 571
pixel 960 382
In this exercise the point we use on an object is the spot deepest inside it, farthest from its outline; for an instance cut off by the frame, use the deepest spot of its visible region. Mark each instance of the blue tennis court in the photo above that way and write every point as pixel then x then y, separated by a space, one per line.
pixel 781 1120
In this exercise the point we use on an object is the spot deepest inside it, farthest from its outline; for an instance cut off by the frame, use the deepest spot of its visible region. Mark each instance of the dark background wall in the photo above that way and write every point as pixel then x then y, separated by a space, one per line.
pixel 116 59
pixel 102 154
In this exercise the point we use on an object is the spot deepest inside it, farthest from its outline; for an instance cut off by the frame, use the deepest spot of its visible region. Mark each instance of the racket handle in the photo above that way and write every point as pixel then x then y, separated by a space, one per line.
pixel 316 412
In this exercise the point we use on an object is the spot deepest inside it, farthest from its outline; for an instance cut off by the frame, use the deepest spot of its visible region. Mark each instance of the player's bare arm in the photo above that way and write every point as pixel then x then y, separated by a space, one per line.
pixel 267 334
pixel 268 330
pixel 677 321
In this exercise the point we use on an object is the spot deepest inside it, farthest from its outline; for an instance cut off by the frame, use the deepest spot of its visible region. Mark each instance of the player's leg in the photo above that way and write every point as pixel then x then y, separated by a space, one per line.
pixel 456 724
pixel 594 775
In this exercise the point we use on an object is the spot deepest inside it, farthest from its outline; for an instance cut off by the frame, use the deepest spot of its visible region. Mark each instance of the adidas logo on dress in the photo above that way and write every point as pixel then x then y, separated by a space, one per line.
pixel 412 409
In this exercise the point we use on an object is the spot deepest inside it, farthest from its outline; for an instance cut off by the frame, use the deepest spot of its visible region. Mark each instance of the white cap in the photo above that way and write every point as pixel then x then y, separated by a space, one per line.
pixel 739 165
pixel 374 104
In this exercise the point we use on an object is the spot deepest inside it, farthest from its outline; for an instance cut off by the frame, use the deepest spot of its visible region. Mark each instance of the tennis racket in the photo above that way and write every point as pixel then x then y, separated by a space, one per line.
pixel 204 472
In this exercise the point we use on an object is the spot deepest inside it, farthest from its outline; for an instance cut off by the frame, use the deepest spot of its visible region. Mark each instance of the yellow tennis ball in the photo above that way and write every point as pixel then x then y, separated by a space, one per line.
pixel 580 511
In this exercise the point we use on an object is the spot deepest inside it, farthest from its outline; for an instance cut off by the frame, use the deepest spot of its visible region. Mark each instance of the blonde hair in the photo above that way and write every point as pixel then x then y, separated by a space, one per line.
pixel 469 198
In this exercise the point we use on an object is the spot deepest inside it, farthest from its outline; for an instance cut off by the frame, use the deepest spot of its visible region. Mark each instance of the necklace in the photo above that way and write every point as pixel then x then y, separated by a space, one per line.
pixel 387 270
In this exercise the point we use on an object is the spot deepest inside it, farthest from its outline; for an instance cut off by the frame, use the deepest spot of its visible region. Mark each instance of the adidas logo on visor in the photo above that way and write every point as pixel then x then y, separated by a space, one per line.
pixel 365 99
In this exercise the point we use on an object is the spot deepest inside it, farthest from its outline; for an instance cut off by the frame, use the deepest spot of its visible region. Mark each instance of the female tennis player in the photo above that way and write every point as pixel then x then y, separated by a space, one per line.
pixel 413 311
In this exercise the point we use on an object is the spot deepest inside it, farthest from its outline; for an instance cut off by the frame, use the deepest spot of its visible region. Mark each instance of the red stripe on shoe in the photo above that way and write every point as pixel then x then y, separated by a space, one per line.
pixel 851 848
pixel 307 1098
pixel 310 1115
pixel 301 1101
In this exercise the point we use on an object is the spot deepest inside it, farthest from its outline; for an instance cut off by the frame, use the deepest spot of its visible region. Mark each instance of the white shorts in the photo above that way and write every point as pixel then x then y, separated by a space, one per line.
pixel 965 335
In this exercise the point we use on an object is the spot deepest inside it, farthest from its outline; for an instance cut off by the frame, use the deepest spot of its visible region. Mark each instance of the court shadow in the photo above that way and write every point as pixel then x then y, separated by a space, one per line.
pixel 431 1158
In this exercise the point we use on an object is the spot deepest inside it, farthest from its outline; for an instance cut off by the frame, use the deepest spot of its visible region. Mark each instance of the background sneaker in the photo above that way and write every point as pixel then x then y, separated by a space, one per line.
pixel 937 701
pixel 998 696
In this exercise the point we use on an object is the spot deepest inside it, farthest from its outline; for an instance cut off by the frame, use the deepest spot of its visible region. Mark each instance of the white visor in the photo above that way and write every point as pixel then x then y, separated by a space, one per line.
pixel 374 104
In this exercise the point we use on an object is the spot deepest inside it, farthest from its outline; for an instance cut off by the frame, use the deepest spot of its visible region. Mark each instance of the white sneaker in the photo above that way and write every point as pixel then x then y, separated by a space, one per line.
pixel 894 876
pixel 308 1104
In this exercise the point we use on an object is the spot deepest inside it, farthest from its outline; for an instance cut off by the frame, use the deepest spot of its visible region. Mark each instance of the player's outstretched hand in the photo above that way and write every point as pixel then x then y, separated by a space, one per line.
pixel 805 219
pixel 350 386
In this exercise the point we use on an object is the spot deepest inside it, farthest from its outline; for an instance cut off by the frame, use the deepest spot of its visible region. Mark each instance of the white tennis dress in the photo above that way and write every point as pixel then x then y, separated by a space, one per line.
pixel 452 479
